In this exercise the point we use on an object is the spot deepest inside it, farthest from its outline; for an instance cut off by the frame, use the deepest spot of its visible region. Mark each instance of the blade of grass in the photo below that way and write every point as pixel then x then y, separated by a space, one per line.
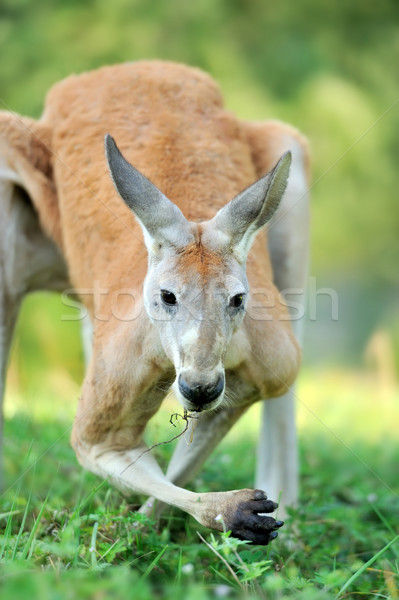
pixel 383 519
pixel 152 565
pixel 13 511
pixel 85 501
pixel 222 576
pixel 9 513
pixel 21 529
pixel 109 549
pixel 93 544
pixel 8 528
pixel 74 518
pixel 28 549
pixel 224 561
pixel 365 566
pixel 179 567
pixel 79 493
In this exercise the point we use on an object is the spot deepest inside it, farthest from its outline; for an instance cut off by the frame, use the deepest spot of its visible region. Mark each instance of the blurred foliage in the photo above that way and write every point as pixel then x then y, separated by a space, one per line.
pixel 331 69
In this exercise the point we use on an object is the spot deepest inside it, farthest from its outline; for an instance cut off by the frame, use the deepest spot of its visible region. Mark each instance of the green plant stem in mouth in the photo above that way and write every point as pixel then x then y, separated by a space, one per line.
pixel 186 416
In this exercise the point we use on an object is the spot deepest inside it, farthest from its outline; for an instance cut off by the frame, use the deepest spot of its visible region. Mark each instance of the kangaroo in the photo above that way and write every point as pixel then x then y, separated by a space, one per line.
pixel 167 229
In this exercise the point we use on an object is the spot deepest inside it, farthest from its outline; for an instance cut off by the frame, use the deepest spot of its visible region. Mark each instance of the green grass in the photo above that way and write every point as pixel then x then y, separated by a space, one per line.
pixel 64 533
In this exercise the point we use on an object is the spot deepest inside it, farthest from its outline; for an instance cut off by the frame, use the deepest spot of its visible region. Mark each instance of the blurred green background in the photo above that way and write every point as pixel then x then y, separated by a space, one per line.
pixel 331 69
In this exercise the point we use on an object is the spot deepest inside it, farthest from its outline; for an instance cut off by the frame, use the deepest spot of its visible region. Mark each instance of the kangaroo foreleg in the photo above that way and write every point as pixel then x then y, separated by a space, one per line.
pixel 119 455
pixel 204 433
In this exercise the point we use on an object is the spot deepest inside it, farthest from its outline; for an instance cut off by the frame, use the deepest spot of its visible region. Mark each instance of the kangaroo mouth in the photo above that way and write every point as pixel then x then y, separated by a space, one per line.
pixel 199 398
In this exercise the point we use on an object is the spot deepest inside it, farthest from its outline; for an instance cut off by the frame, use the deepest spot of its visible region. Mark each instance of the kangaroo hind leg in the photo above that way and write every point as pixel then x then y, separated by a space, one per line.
pixel 288 239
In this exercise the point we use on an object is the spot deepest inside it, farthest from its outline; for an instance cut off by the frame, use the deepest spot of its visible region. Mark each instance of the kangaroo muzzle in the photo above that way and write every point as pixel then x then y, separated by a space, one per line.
pixel 200 392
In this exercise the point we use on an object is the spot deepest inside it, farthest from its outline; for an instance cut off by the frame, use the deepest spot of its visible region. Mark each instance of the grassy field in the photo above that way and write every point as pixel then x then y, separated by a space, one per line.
pixel 62 529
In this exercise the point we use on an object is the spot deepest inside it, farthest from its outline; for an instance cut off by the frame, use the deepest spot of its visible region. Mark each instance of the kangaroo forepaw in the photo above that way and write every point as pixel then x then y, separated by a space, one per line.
pixel 243 512
pixel 249 521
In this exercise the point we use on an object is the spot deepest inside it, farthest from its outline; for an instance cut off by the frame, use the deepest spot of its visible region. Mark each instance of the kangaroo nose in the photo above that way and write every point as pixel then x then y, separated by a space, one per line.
pixel 199 393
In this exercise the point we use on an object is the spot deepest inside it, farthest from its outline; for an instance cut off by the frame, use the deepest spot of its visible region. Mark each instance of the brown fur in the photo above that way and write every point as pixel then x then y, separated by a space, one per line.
pixel 278 136
pixel 200 165
pixel 199 259
pixel 26 146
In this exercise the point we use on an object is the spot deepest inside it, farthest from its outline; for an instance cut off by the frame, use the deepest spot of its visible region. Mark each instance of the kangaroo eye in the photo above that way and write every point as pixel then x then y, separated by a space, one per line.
pixel 236 301
pixel 168 298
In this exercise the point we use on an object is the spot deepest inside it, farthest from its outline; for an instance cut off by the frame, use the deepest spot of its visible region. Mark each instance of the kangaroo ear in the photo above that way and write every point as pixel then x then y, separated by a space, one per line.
pixel 162 221
pixel 241 218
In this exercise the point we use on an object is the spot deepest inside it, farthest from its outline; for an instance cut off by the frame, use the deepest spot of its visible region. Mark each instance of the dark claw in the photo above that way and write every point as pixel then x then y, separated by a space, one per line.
pixel 261 506
pixel 261 539
pixel 260 495
pixel 279 523
pixel 256 522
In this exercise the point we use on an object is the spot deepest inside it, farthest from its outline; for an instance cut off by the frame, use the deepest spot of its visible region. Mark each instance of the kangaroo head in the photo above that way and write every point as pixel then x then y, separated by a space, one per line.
pixel 196 288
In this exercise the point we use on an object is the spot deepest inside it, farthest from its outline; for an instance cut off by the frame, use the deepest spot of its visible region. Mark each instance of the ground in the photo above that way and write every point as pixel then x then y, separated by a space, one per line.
pixel 67 534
